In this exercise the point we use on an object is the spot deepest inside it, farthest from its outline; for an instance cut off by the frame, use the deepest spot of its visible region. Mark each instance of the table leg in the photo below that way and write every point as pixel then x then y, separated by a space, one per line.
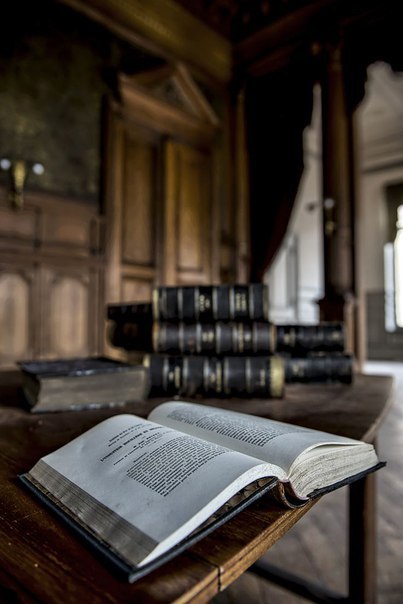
pixel 362 568
pixel 362 541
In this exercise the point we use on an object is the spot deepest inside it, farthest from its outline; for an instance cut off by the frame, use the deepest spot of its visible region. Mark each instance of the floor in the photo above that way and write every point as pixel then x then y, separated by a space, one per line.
pixel 317 545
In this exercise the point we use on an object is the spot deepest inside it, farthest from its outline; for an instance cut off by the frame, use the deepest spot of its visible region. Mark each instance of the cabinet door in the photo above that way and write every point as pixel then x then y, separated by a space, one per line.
pixel 70 311
pixel 132 211
pixel 189 224
pixel 18 313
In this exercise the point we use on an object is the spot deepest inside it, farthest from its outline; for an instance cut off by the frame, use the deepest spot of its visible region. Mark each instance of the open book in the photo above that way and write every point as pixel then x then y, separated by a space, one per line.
pixel 142 488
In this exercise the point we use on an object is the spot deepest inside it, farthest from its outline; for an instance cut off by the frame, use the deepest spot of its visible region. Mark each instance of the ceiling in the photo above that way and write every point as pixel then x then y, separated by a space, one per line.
pixel 237 19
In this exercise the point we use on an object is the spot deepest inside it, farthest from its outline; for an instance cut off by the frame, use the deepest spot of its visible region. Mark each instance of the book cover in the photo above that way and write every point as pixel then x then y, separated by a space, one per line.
pixel 82 383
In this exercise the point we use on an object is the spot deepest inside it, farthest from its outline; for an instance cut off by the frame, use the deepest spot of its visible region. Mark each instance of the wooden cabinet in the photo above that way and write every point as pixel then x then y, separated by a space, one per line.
pixel 162 225
pixel 51 279
pixel 189 236
pixel 162 222
pixel 133 211
pixel 18 308
pixel 71 314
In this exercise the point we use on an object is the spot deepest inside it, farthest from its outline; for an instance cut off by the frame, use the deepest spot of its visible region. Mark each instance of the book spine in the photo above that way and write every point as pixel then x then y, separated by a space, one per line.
pixel 209 303
pixel 130 336
pixel 236 376
pixel 300 339
pixel 319 368
pixel 214 338
pixel 136 312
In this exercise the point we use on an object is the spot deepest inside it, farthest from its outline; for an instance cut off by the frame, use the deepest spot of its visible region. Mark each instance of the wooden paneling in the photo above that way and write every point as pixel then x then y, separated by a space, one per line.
pixel 193 209
pixel 24 230
pixel 132 209
pixel 136 289
pixel 17 307
pixel 162 206
pixel 139 197
pixel 70 314
pixel 51 276
pixel 78 233
pixel 188 219
pixel 51 223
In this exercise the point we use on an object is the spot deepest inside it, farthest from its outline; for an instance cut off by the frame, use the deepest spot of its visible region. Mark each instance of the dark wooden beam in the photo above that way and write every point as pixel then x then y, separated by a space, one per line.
pixel 164 28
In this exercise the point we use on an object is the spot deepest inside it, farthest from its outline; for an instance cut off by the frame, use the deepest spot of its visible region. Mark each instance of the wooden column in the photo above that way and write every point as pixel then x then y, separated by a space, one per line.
pixel 242 198
pixel 338 300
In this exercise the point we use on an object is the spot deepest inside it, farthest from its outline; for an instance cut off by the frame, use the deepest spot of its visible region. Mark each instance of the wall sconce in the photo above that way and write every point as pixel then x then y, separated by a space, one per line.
pixel 330 224
pixel 19 169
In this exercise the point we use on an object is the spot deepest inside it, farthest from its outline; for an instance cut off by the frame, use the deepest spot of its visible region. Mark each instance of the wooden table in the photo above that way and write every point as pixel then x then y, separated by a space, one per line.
pixel 41 561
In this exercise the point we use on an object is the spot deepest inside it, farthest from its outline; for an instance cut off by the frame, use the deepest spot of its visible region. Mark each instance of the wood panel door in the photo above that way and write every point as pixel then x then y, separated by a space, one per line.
pixel 188 233
pixel 133 211
pixel 162 225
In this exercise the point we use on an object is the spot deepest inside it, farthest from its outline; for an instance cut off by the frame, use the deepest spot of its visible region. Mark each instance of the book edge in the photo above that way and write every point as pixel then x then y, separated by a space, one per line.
pixel 122 569
pixel 346 481
pixel 106 366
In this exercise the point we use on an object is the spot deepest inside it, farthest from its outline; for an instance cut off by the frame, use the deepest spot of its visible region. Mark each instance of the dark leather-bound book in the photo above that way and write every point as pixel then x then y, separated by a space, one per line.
pixel 320 367
pixel 206 303
pixel 218 338
pixel 240 376
pixel 81 383
pixel 300 339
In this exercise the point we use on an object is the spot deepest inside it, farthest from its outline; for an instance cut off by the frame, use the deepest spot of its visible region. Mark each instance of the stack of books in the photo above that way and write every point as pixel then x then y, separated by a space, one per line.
pixel 217 340
pixel 315 353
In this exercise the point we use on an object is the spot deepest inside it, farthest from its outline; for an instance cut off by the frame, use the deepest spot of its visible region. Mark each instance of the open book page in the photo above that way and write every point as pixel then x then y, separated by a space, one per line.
pixel 144 487
pixel 268 440
pixel 310 459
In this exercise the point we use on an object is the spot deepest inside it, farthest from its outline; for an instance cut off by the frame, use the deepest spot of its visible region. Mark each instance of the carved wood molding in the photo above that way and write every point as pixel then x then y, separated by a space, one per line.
pixel 163 27
pixel 168 100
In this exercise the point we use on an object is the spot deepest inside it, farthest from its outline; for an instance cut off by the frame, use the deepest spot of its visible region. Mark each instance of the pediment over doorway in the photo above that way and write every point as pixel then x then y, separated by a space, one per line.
pixel 170 98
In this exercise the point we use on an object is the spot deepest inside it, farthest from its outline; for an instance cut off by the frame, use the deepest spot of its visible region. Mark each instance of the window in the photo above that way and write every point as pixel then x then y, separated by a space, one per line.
pixel 393 259
pixel 398 267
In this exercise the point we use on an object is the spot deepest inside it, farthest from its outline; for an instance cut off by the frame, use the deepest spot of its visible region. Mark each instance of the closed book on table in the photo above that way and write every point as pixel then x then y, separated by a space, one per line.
pixel 82 383
pixel 239 376
pixel 299 339
pixel 320 367
pixel 219 338
pixel 206 303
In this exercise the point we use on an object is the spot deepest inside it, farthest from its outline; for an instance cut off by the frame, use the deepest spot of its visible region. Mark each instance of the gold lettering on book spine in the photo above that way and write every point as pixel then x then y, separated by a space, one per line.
pixel 155 303
pixel 231 299
pixel 277 376
pixel 248 375
pixel 156 337
pixel 241 302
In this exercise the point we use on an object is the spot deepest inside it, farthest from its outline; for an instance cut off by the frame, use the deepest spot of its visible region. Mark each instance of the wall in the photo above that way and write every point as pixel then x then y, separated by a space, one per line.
pixel 296 274
pixel 380 119
pixel 380 130
pixel 56 67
